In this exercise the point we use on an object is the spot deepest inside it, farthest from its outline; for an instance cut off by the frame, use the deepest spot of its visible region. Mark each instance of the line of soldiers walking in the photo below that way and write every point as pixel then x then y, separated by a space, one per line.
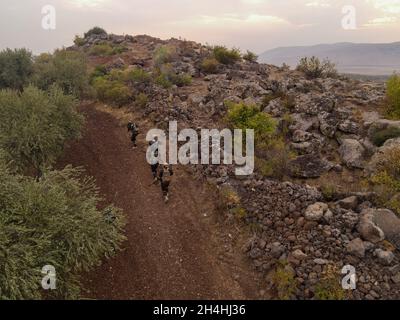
pixel 161 173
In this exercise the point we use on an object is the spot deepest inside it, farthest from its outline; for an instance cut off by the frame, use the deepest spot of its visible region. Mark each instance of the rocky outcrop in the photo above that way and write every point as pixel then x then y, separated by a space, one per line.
pixel 308 166
pixel 352 153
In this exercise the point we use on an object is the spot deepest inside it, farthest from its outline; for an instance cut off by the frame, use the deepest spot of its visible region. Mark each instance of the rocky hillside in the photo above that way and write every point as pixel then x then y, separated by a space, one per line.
pixel 325 209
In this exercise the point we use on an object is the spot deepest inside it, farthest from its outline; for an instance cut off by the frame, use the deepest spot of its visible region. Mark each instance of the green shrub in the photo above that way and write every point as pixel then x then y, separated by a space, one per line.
pixel 141 100
pixel 273 157
pixel 52 221
pixel 313 68
pixel 329 287
pixel 250 56
pixel 242 116
pixel 16 68
pixel 229 202
pixel 229 197
pixel 99 71
pixel 284 282
pixel 119 50
pixel 210 65
pixel 79 41
pixel 164 54
pixel 101 50
pixel 137 75
pixel 182 79
pixel 393 96
pixel 379 137
pixel 169 75
pixel 386 179
pixel 226 56
pixel 163 81
pixel 66 69
pixel 34 125
pixel 112 91
pixel 328 191
pixel 95 31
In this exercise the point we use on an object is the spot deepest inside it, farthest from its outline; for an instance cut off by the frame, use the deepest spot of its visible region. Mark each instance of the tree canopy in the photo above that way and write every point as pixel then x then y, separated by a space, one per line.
pixel 34 125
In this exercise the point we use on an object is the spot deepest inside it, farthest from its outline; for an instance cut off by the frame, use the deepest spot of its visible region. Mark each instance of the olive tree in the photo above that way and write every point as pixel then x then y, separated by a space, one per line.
pixel 34 125
pixel 67 69
pixel 52 221
pixel 16 68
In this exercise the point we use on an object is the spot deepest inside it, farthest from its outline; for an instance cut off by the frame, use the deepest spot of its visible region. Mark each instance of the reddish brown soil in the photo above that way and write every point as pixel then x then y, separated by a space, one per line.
pixel 173 251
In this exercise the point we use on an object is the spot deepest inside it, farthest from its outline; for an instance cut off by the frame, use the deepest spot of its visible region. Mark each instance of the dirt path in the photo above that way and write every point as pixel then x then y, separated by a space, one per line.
pixel 173 251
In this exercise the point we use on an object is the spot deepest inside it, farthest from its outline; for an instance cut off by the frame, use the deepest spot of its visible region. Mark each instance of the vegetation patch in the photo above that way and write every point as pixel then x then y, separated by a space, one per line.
pixel 329 287
pixel 386 180
pixel 16 68
pixel 225 55
pixel 393 97
pixel 314 68
pixel 284 281
pixel 56 221
pixel 250 56
pixel 34 126
pixel 210 65
pixel 379 137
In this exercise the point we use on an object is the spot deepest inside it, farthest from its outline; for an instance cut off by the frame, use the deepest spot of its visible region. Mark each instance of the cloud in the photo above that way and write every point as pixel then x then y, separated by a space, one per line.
pixel 387 6
pixel 233 19
pixel 87 3
pixel 383 21
pixel 318 4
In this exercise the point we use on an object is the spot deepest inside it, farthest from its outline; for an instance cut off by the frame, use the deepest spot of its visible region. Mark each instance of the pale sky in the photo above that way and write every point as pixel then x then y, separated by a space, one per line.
pixel 257 25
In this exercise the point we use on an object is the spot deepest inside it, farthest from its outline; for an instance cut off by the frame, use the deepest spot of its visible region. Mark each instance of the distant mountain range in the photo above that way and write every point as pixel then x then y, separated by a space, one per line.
pixel 356 58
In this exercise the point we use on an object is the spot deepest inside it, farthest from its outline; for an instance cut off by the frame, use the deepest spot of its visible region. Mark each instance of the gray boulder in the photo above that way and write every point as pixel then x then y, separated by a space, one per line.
pixel 368 229
pixel 356 247
pixel 389 223
pixel 349 203
pixel 316 211
pixel 352 153
pixel 308 166
pixel 384 257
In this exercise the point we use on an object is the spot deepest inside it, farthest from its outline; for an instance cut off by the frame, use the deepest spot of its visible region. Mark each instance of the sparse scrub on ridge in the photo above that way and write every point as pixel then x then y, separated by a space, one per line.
pixel 112 91
pixel 314 68
pixel 79 41
pixel 95 31
pixel 210 65
pixel 225 55
pixel 114 87
pixel 137 75
pixel 250 56
pixel 168 77
pixel 164 54
pixel 393 96
pixel 101 50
